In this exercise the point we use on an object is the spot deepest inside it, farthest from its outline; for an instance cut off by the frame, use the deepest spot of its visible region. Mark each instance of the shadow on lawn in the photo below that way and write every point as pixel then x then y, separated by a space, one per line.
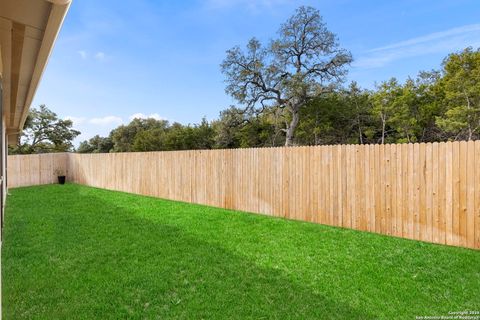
pixel 103 261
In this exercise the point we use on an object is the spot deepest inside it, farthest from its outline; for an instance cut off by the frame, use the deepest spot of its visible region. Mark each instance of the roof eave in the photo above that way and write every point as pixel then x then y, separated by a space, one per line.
pixel 55 21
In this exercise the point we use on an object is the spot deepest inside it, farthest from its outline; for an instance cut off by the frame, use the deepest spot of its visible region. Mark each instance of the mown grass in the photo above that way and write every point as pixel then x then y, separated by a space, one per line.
pixel 74 252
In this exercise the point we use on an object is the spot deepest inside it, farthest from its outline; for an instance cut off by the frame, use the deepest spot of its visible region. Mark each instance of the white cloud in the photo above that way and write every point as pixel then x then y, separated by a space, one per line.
pixel 432 36
pixel 83 54
pixel 155 116
pixel 106 121
pixel 443 42
pixel 76 120
pixel 100 56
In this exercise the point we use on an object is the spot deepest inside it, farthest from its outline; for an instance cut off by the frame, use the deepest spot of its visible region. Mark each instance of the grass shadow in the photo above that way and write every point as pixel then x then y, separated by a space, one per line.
pixel 77 255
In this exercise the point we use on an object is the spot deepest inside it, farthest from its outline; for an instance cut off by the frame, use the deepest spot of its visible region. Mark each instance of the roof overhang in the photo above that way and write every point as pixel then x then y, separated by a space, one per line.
pixel 28 29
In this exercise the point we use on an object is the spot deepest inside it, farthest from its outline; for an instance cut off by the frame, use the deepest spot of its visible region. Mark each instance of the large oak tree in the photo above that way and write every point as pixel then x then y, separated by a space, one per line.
pixel 45 132
pixel 302 63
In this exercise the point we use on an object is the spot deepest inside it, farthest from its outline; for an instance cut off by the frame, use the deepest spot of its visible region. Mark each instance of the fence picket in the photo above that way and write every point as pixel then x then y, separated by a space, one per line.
pixel 421 191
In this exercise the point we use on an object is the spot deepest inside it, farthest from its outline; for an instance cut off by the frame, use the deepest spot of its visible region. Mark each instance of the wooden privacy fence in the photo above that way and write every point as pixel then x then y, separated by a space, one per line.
pixel 35 169
pixel 428 192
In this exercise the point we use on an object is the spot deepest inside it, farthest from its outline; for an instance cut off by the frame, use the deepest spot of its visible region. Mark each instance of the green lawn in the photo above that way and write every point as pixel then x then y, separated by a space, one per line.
pixel 74 252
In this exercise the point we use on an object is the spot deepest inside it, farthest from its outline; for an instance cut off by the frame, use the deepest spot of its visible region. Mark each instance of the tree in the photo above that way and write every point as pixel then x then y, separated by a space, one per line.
pixel 385 105
pixel 149 140
pixel 343 116
pixel 191 137
pixel 237 129
pixel 96 144
pixel 428 105
pixel 124 135
pixel 403 119
pixel 434 106
pixel 227 128
pixel 302 63
pixel 358 101
pixel 175 137
pixel 324 120
pixel 461 84
pixel 261 130
pixel 202 135
pixel 45 132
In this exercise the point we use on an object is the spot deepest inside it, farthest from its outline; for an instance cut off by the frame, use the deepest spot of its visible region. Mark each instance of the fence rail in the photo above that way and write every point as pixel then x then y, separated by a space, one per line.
pixel 428 192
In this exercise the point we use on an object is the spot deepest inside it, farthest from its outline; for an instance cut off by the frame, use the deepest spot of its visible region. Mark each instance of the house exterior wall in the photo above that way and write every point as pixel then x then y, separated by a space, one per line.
pixel 3 153
pixel 3 157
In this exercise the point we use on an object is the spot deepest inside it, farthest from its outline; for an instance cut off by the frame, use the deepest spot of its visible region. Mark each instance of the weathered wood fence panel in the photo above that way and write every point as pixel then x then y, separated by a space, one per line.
pixel 428 192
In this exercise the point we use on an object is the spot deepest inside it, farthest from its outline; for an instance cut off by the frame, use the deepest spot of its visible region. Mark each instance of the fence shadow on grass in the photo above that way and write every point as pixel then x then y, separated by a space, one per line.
pixel 73 254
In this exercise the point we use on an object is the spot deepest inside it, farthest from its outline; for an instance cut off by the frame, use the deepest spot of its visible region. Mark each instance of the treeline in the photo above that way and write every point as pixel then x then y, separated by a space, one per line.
pixel 438 105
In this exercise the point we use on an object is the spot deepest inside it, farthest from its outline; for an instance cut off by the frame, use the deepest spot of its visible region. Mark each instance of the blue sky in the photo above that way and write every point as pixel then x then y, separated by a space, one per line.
pixel 115 60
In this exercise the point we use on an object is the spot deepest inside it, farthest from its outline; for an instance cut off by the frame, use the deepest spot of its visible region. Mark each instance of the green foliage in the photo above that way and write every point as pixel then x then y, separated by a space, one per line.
pixel 149 140
pixel 167 137
pixel 339 117
pixel 461 85
pixel 96 144
pixel 304 61
pixel 178 138
pixel 45 132
pixel 357 115
pixel 202 136
pixel 123 136
pixel 434 106
pixel 228 128
pixel 238 129
pixel 190 137
pixel 323 120
pixel 426 105
pixel 74 252
pixel 386 107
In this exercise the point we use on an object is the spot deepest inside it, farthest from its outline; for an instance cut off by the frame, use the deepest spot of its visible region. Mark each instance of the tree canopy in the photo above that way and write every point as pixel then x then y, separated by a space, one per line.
pixel 439 105
pixel 45 132
pixel 433 106
pixel 291 91
pixel 304 61
pixel 461 86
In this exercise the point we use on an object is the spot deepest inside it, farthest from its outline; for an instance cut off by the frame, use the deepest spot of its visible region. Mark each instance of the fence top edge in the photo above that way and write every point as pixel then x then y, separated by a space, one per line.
pixel 389 145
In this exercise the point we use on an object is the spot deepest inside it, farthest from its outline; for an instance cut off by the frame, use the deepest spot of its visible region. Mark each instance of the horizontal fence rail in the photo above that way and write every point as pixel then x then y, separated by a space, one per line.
pixel 428 192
